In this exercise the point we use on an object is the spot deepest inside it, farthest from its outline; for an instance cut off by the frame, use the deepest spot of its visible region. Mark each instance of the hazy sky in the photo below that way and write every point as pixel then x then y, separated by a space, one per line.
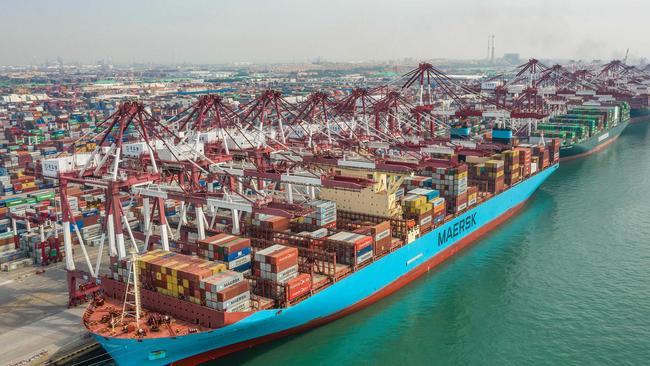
pixel 286 30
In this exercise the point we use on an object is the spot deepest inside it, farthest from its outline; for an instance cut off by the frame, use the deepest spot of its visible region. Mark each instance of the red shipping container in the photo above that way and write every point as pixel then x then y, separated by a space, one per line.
pixel 235 246
pixel 287 256
pixel 299 286
pixel 275 268
pixel 278 257
pixel 232 291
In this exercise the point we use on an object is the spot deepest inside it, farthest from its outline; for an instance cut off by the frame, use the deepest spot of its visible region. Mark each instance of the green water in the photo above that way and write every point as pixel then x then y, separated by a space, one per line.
pixel 566 282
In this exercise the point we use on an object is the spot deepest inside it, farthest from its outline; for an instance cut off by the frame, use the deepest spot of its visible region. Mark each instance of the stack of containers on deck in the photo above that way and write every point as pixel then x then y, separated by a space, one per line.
pixel 452 184
pixel 299 286
pixel 542 155
pixel 277 263
pixel 525 155
pixel 361 246
pixel 429 194
pixel 119 269
pixel 324 214
pixel 495 178
pixel 488 177
pixel 535 164
pixel 472 195
pixel 512 173
pixel 319 233
pixel 425 221
pixel 226 291
pixel 554 150
pixel 419 209
pixel 417 181
pixel 271 222
pixel 439 210
pixel 380 233
pixel 176 275
pixel 231 250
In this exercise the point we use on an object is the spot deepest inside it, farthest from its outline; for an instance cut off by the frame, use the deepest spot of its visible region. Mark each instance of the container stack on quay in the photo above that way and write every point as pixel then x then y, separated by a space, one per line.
pixel 8 250
pixel 38 123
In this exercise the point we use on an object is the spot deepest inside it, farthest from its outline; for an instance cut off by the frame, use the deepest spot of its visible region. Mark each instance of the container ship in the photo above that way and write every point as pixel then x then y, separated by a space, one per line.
pixel 391 222
pixel 639 113
pixel 585 129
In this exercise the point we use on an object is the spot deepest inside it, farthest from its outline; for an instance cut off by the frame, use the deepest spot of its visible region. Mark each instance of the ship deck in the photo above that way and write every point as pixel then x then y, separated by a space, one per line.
pixel 97 320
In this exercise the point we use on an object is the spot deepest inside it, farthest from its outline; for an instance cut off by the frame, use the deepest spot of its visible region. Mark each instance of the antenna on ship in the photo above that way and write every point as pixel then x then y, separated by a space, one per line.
pixel 131 306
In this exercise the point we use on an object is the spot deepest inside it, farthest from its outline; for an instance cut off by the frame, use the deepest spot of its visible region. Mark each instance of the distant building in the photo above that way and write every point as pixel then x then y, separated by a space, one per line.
pixel 511 58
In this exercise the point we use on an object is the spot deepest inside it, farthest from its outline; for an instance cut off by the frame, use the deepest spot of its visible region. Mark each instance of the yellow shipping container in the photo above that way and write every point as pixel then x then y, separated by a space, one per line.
pixel 415 201
pixel 421 209
pixel 186 283
pixel 494 163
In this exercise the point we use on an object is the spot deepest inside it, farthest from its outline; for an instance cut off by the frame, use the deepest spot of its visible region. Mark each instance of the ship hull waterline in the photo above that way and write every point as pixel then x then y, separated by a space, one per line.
pixel 593 145
pixel 360 289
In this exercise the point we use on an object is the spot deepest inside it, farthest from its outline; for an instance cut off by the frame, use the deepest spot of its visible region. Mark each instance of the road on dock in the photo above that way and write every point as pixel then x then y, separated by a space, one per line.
pixel 35 322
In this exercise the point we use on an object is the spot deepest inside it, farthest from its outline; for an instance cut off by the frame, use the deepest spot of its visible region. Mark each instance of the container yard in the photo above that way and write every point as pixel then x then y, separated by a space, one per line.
pixel 186 213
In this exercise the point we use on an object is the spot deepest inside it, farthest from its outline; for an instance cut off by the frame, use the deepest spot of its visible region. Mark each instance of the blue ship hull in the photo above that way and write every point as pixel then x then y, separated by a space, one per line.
pixel 359 289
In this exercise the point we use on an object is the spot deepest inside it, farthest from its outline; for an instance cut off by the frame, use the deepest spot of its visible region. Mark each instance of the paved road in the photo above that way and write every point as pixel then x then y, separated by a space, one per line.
pixel 34 318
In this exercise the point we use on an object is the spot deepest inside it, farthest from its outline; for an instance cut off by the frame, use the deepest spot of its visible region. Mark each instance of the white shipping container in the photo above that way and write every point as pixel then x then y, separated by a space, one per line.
pixel 281 277
pixel 222 280
pixel 234 302
pixel 364 257
pixel 239 261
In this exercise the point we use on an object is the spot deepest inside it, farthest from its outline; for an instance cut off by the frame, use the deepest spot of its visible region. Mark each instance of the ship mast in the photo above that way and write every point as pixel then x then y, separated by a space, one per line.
pixel 130 306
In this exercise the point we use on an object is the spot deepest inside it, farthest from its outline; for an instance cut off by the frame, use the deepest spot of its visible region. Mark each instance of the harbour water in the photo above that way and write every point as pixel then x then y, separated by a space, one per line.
pixel 565 282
